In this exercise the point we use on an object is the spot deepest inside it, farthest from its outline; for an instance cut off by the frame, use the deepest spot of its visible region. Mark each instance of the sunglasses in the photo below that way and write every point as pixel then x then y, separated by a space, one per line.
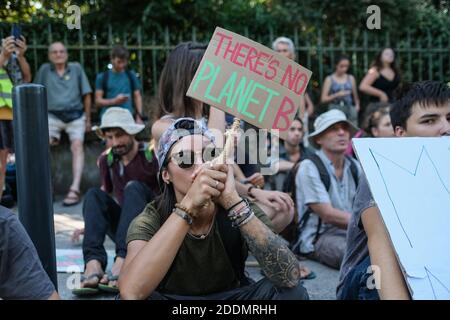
pixel 185 159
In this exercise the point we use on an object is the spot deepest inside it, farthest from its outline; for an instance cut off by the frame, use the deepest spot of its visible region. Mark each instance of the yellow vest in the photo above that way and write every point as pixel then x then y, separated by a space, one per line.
pixel 6 87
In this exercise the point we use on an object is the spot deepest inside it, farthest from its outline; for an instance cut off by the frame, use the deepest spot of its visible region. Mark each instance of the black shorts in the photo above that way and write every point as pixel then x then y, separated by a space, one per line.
pixel 6 135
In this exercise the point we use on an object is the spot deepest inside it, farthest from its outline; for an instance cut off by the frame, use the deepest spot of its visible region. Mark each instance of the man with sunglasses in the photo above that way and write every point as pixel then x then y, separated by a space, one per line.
pixel 128 170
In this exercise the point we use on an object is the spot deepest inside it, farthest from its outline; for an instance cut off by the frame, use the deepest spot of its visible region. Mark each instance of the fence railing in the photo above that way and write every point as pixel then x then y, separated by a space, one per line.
pixel 426 57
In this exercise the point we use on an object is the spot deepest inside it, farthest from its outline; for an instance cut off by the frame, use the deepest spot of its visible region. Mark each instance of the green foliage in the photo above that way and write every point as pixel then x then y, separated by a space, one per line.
pixel 314 24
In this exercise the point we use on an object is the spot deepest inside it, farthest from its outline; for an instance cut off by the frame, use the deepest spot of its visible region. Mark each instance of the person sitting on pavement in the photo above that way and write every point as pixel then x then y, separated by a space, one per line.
pixel 128 171
pixel 377 122
pixel 422 110
pixel 293 149
pixel 325 188
pixel 191 243
pixel 22 276
pixel 174 82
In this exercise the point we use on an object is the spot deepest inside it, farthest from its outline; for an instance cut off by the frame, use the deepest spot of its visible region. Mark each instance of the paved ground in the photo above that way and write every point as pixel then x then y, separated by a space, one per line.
pixel 68 219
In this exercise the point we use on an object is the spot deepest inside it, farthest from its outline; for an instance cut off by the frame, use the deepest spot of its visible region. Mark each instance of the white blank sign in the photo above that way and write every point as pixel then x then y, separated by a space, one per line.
pixel 410 182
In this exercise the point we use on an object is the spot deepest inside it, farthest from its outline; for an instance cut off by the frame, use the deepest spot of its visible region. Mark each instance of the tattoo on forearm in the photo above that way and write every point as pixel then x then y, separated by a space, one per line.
pixel 276 260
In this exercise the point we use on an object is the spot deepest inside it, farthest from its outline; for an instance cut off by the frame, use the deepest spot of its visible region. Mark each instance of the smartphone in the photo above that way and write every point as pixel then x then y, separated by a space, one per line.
pixel 16 31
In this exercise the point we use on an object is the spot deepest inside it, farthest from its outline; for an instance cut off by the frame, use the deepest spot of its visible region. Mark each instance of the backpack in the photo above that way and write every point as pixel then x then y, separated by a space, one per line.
pixel 130 79
pixel 111 158
pixel 293 230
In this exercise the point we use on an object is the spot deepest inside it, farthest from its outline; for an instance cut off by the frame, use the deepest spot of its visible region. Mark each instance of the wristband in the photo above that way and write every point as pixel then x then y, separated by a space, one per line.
pixel 184 215
pixel 244 217
pixel 250 190
pixel 247 219
pixel 189 212
pixel 236 204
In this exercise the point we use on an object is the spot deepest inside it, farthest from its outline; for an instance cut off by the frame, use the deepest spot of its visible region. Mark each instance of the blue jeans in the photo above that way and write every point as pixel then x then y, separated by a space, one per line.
pixel 355 284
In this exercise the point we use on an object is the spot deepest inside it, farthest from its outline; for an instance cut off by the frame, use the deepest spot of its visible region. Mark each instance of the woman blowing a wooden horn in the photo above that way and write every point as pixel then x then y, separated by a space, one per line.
pixel 192 241
pixel 176 76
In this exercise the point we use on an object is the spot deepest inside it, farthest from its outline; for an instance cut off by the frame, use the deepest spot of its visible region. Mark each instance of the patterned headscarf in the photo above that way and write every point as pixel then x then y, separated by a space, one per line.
pixel 179 129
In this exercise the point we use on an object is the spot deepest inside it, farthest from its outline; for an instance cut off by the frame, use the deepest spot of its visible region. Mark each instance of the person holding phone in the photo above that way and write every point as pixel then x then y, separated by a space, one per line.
pixel 14 70
pixel 120 86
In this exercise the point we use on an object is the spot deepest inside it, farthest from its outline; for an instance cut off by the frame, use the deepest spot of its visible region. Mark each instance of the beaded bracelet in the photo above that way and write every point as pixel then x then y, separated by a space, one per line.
pixel 242 219
pixel 189 212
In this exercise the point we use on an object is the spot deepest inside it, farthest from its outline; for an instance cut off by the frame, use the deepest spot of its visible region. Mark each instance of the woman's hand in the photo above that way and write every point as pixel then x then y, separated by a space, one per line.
pixel 256 179
pixel 21 46
pixel 279 201
pixel 8 47
pixel 208 183
pixel 343 93
pixel 229 195
pixel 383 97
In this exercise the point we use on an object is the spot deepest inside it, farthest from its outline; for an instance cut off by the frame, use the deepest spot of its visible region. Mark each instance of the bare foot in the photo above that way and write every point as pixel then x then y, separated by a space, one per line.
pixel 304 271
pixel 93 273
pixel 115 271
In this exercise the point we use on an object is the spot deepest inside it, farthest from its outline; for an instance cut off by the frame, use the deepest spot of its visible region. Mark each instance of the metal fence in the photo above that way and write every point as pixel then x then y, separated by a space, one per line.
pixel 419 58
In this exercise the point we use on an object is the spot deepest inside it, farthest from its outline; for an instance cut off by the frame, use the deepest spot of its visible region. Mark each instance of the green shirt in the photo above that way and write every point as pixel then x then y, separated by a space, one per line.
pixel 201 266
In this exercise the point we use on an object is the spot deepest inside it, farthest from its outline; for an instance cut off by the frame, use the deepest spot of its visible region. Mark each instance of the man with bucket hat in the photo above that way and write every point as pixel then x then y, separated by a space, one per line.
pixel 326 183
pixel 128 171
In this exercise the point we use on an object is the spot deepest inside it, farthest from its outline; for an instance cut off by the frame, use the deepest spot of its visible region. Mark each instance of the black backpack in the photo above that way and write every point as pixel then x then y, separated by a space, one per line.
pixel 293 230
pixel 130 79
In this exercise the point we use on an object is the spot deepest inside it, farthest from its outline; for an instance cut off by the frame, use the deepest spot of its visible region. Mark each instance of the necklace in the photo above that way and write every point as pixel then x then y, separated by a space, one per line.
pixel 202 236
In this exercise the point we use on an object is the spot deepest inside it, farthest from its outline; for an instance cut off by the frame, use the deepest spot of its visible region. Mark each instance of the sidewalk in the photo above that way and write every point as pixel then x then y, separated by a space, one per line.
pixel 67 219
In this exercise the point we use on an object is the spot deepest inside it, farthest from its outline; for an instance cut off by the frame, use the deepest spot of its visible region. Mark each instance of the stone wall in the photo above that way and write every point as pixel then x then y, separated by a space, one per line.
pixel 61 162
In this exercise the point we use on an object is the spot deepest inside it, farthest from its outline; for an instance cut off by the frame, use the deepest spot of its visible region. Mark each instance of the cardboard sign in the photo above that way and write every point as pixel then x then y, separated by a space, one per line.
pixel 410 181
pixel 250 81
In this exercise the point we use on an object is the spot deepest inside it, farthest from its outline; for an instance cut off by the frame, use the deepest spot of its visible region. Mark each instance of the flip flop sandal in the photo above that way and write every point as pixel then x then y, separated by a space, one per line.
pixel 76 198
pixel 88 291
pixel 108 288
pixel 310 276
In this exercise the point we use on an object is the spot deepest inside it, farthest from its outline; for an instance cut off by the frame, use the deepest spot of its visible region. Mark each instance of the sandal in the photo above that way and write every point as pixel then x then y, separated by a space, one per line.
pixel 88 291
pixel 309 276
pixel 107 287
pixel 73 197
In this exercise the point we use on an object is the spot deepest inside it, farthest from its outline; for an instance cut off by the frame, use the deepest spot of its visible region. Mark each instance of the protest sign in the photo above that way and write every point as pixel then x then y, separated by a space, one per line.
pixel 410 182
pixel 250 81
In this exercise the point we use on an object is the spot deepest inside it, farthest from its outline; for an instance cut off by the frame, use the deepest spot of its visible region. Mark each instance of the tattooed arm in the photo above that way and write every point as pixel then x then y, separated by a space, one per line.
pixel 278 262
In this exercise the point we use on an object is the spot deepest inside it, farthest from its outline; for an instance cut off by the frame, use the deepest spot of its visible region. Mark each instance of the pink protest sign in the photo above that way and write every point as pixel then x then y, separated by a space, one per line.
pixel 250 81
